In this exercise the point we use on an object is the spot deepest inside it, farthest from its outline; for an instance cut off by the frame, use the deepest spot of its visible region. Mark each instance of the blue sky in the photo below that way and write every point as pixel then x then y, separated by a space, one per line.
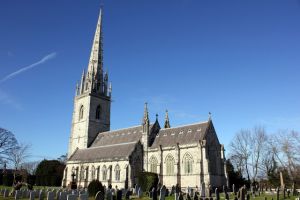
pixel 239 60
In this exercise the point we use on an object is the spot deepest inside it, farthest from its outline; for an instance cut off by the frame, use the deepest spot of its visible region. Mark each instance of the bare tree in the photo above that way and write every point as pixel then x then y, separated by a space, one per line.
pixel 8 142
pixel 30 167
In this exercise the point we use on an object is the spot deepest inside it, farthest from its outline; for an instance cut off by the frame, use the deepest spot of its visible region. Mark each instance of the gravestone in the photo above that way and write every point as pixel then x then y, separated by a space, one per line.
pixel 154 193
pixel 108 194
pixel 63 196
pixel 217 194
pixel 136 189
pixel 233 189
pixel 41 195
pixel 188 197
pixel 180 196
pixel 140 192
pixel 195 196
pixel 277 193
pixel 5 193
pixel 71 197
pixel 162 193
pixel 50 195
pixel 242 193
pixel 36 193
pixel 18 194
pixel 32 195
pixel 99 196
pixel 83 197
pixel 119 194
pixel 209 191
pixel 202 190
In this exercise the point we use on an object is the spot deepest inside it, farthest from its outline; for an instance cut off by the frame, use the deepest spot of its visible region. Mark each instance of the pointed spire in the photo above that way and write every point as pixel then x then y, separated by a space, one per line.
pixel 96 57
pixel 209 116
pixel 146 115
pixel 167 122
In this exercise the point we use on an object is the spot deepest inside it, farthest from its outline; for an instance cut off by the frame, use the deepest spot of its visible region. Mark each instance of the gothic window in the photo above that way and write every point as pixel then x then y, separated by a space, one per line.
pixel 93 173
pixel 82 173
pixel 117 173
pixel 98 173
pixel 81 113
pixel 104 173
pixel 86 174
pixel 170 165
pixel 98 112
pixel 188 163
pixel 153 164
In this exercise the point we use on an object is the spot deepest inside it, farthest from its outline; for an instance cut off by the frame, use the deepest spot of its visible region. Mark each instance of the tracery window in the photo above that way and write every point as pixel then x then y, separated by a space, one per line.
pixel 153 164
pixel 81 112
pixel 104 173
pixel 117 172
pixel 188 163
pixel 93 173
pixel 82 173
pixel 98 112
pixel 170 165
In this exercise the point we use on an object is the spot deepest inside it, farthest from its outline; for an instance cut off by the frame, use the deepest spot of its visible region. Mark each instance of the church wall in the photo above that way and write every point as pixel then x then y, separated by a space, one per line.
pixel 83 181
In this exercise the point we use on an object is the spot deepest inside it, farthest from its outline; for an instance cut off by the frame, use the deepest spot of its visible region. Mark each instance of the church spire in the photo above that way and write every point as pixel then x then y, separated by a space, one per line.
pixel 96 58
pixel 146 115
pixel 167 122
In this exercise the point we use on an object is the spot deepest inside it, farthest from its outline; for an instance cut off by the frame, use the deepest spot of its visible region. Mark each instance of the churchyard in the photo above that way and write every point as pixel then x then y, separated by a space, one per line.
pixel 44 193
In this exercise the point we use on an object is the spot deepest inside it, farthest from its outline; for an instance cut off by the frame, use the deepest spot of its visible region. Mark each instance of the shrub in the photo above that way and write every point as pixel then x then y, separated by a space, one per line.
pixel 147 180
pixel 94 187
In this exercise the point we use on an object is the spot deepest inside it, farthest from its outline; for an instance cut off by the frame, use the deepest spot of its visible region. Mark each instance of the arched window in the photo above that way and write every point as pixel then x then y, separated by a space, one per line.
pixel 170 165
pixel 86 174
pixel 98 112
pixel 81 113
pixel 98 173
pixel 153 164
pixel 93 173
pixel 82 173
pixel 188 163
pixel 117 172
pixel 104 173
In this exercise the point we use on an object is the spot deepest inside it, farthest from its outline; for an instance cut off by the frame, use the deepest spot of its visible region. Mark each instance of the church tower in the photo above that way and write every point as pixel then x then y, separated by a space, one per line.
pixel 92 100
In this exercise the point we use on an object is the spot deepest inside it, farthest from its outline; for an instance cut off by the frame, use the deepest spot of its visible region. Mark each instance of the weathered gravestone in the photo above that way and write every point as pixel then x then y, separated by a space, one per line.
pixel 139 192
pixel 71 197
pixel 63 196
pixel 50 195
pixel 242 193
pixel 41 195
pixel 99 196
pixel 83 197
pixel 233 189
pixel 154 193
pixel 6 193
pixel 31 195
pixel 202 190
pixel 18 194
pixel 162 193
pixel 119 194
pixel 217 194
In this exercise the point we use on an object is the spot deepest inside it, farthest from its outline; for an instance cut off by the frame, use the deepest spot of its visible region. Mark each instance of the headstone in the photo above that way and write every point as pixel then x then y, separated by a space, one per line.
pixel 188 197
pixel 154 193
pixel 119 194
pixel 202 190
pixel 217 194
pixel 99 196
pixel 83 197
pixel 277 193
pixel 135 189
pixel 108 194
pixel 195 196
pixel 71 197
pixel 36 193
pixel 18 194
pixel 242 193
pixel 162 193
pixel 127 195
pixel 233 189
pixel 63 196
pixel 5 194
pixel 41 195
pixel 140 192
pixel 50 195
pixel 32 195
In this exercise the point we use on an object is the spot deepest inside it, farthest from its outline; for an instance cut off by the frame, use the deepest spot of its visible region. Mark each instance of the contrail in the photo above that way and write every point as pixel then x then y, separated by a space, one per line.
pixel 43 60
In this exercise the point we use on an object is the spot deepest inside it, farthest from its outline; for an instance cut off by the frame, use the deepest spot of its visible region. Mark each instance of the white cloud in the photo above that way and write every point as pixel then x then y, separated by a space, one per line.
pixel 43 60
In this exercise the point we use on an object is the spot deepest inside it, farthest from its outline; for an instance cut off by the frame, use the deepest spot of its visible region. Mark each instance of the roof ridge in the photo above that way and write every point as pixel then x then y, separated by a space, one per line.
pixel 110 145
pixel 185 125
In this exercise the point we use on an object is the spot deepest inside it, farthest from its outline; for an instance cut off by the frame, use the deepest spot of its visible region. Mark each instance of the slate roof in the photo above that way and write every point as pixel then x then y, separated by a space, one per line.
pixel 187 134
pixel 108 152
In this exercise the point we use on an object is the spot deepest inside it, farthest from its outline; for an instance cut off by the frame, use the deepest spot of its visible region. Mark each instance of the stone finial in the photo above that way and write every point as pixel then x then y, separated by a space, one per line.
pixel 167 121
pixel 209 116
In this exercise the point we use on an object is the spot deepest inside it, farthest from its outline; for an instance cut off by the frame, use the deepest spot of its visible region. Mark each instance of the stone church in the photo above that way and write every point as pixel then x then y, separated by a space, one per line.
pixel 189 155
